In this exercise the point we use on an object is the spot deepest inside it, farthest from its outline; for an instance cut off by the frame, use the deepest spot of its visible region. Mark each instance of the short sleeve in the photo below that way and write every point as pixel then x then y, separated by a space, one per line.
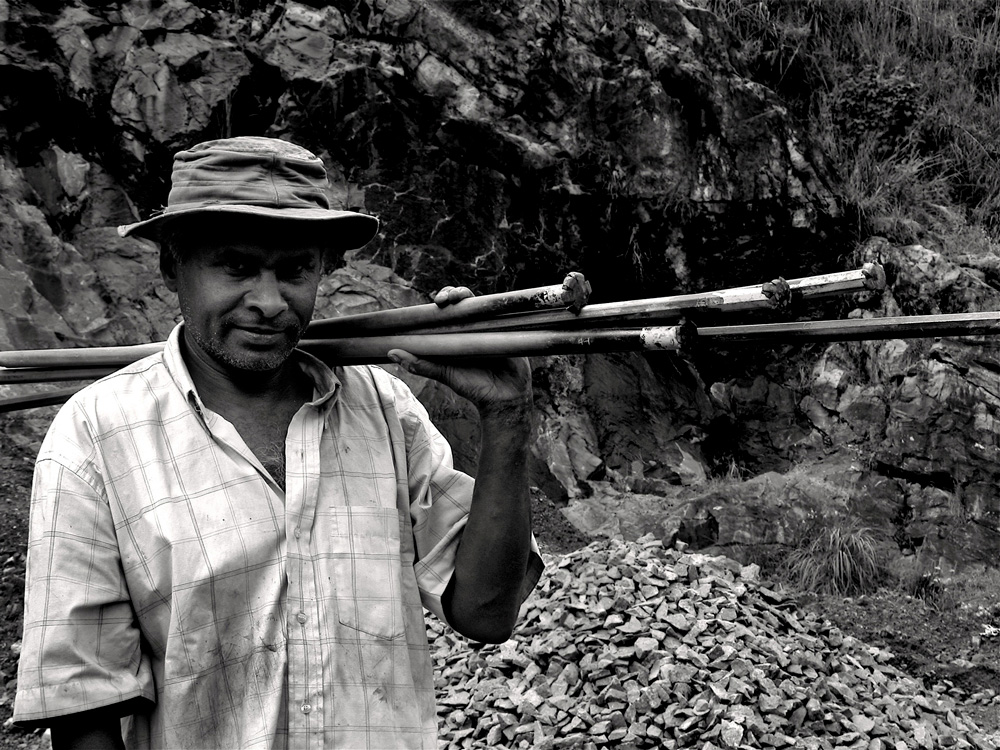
pixel 440 500
pixel 81 646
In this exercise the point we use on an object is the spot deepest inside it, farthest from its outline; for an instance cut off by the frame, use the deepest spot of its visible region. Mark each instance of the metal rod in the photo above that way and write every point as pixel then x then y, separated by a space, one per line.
pixel 373 349
pixel 647 312
pixel 666 310
pixel 35 400
pixel 45 365
pixel 10 375
pixel 857 329
pixel 523 343
pixel 93 356
pixel 572 294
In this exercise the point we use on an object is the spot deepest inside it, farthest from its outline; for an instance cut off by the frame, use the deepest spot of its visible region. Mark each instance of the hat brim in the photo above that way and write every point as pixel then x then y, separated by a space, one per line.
pixel 352 230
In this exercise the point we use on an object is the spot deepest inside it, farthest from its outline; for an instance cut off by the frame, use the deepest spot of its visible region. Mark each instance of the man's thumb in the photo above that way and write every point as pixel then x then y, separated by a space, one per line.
pixel 414 364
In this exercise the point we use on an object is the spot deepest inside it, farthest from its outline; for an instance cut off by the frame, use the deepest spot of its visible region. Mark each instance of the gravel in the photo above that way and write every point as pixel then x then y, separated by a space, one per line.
pixel 632 645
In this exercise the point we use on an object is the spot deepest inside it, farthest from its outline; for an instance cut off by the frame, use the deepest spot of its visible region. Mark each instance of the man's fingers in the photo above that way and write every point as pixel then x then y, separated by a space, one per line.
pixel 402 358
pixel 427 369
pixel 449 295
pixel 489 384
pixel 441 296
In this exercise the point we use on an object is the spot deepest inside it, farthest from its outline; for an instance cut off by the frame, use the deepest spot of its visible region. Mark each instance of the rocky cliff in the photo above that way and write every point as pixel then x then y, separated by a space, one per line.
pixel 503 145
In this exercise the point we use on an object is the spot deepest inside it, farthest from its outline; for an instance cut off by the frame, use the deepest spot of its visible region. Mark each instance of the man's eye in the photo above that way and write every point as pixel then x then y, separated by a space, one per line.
pixel 236 268
pixel 296 270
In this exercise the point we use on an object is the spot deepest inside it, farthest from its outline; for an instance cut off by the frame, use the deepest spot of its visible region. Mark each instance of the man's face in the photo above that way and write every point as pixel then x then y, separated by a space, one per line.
pixel 246 295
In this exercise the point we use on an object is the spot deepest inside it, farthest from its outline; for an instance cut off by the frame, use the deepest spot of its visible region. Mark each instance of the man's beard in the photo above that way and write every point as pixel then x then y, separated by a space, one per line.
pixel 242 360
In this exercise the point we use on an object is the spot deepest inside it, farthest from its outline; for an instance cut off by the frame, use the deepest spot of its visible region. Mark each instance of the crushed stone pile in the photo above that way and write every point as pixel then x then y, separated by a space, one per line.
pixel 631 645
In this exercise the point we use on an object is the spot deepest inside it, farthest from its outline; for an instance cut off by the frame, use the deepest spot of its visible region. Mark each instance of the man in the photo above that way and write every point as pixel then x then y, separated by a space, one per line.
pixel 231 541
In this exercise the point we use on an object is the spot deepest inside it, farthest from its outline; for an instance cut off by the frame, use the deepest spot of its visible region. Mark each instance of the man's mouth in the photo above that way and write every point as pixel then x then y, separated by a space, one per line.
pixel 263 334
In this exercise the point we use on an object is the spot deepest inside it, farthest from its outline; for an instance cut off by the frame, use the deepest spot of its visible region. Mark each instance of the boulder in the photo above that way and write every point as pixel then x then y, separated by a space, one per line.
pixel 50 292
pixel 170 91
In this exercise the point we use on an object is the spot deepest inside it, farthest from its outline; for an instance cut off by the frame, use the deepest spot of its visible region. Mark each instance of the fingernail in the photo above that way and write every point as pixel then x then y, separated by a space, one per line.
pixel 394 357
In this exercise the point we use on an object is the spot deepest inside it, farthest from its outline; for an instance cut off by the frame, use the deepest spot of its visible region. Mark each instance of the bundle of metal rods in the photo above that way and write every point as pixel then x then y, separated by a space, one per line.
pixel 543 321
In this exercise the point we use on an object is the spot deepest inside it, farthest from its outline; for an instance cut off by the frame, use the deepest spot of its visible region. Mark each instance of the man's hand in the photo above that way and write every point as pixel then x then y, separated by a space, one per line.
pixel 493 385
pixel 96 729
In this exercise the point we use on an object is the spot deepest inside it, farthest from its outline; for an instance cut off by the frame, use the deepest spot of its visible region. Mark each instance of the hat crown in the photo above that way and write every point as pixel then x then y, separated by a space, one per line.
pixel 249 171
pixel 255 144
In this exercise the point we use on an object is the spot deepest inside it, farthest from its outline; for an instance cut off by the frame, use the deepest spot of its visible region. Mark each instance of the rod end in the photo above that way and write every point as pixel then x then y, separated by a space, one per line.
pixel 576 291
pixel 678 338
pixel 778 293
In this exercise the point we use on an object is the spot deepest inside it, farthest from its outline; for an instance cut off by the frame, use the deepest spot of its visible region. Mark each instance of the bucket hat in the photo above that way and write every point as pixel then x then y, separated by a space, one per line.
pixel 255 176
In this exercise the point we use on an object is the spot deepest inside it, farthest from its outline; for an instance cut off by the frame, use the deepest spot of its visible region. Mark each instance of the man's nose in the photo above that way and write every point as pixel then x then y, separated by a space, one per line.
pixel 265 295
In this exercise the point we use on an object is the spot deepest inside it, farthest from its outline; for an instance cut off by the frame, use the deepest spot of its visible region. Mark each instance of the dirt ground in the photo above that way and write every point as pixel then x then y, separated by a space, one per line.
pixel 942 643
pixel 15 484
pixel 943 646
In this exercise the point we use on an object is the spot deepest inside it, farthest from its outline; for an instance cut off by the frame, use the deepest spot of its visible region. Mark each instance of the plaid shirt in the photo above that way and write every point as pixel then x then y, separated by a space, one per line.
pixel 165 563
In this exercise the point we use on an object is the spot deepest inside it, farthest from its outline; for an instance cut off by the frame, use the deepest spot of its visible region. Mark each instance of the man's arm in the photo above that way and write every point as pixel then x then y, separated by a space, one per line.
pixel 484 595
pixel 99 729
pixel 80 654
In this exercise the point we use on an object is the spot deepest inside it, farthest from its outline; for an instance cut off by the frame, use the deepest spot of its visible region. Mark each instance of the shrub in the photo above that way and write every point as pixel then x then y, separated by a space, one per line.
pixel 973 589
pixel 894 191
pixel 933 590
pixel 843 558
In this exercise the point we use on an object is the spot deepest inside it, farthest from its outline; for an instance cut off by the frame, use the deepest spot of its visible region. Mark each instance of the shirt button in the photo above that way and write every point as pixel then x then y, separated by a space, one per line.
pixel 301 617
pixel 306 708
pixel 297 532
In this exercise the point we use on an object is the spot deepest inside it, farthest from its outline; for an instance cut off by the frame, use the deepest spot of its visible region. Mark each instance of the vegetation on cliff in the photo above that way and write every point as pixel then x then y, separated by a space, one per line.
pixel 903 95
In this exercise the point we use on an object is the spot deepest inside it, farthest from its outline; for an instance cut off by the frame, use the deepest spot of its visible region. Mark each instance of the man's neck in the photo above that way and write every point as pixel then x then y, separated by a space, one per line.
pixel 260 405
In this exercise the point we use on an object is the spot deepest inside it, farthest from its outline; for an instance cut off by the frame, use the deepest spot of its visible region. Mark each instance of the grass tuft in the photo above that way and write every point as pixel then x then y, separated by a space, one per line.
pixel 842 558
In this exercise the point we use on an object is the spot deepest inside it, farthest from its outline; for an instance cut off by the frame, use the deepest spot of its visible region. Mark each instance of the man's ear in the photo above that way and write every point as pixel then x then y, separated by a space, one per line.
pixel 168 269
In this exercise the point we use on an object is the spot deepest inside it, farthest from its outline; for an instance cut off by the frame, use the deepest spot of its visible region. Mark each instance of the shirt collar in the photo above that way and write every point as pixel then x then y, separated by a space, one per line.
pixel 326 385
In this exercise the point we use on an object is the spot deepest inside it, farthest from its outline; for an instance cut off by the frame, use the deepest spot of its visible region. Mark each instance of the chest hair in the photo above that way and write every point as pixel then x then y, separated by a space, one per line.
pixel 272 455
pixel 266 440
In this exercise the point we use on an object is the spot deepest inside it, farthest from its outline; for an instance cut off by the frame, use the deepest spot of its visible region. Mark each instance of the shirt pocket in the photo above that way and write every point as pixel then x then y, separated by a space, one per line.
pixel 366 562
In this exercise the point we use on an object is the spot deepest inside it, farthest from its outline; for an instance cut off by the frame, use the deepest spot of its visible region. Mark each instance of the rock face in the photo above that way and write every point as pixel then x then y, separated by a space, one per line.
pixel 502 146
pixel 917 418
